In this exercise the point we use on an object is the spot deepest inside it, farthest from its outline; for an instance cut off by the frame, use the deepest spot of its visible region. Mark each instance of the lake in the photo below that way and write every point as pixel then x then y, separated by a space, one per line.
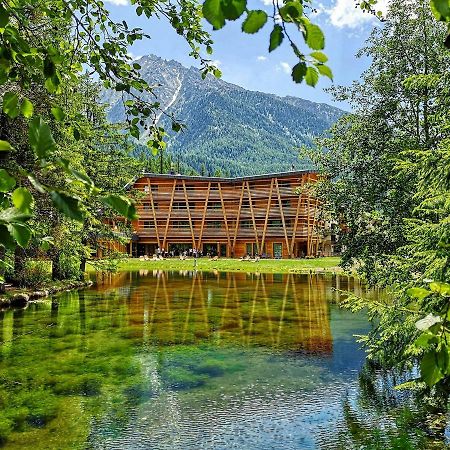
pixel 185 360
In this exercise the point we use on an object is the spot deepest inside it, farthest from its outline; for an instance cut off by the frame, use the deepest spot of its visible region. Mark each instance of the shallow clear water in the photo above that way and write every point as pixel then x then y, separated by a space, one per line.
pixel 165 360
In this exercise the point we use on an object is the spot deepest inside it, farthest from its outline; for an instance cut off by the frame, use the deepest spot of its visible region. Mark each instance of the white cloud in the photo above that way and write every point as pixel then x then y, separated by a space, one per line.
pixel 346 13
pixel 285 67
pixel 261 58
pixel 216 62
pixel 133 56
pixel 118 2
pixel 267 2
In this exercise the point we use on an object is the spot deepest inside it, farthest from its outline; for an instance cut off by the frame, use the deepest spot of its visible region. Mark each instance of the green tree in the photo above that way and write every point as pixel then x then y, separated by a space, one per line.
pixel 362 187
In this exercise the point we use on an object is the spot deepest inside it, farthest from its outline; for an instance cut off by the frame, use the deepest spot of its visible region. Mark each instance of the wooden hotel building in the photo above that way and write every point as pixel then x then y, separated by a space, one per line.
pixel 270 215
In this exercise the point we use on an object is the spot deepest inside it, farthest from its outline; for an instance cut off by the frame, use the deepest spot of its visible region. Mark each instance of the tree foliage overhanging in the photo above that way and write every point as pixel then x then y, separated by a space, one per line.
pixel 387 182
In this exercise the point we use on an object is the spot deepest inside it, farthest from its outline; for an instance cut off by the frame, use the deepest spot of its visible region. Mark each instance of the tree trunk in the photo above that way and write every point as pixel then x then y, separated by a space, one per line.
pixel 82 267
pixel 56 268
pixel 19 266
pixel 2 269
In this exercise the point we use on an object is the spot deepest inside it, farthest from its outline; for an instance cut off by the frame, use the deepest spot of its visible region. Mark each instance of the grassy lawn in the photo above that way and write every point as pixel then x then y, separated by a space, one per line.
pixel 329 264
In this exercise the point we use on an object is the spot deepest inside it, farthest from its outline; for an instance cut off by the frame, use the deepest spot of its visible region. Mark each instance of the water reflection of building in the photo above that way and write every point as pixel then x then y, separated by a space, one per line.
pixel 243 309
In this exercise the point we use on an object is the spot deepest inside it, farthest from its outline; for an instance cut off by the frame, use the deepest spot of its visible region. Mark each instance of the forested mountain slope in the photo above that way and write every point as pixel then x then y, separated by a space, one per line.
pixel 229 128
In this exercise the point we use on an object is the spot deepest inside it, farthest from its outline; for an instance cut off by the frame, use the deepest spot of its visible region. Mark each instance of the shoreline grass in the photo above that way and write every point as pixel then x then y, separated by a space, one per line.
pixel 325 264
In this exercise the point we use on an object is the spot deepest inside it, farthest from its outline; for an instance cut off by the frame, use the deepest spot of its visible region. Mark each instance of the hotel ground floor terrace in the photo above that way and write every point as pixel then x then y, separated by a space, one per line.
pixel 272 215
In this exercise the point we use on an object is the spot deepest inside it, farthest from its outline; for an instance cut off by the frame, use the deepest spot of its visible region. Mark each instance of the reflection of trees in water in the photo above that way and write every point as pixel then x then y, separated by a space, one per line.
pixel 381 417
pixel 288 311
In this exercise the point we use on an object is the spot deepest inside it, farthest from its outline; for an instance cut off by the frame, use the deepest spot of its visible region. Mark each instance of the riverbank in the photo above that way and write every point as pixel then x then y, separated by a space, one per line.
pixel 317 265
pixel 20 297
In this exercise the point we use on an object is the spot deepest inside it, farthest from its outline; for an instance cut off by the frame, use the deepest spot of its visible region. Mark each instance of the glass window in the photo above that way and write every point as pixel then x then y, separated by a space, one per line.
pixel 277 250
pixel 181 224
pixel 246 224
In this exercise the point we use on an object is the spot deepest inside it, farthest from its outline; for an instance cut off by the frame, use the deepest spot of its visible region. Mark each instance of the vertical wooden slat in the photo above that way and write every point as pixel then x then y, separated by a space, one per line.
pixel 168 215
pixel 238 217
pixel 267 213
pixel 282 218
pixel 189 214
pixel 255 229
pixel 224 214
pixel 204 217
pixel 153 210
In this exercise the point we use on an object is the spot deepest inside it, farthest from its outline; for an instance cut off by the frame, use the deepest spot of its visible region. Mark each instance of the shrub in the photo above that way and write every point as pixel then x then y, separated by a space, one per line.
pixel 69 266
pixel 5 429
pixel 35 274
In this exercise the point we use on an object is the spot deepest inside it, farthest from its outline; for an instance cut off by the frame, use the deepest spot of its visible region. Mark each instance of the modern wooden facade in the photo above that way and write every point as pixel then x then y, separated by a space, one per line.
pixel 270 215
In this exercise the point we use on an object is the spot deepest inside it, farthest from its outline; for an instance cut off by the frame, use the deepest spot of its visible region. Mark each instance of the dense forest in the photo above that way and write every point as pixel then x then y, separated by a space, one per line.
pixel 387 168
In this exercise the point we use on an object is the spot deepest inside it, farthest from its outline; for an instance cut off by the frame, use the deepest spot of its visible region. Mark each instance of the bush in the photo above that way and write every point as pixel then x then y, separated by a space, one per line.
pixel 69 266
pixel 35 274
pixel 5 429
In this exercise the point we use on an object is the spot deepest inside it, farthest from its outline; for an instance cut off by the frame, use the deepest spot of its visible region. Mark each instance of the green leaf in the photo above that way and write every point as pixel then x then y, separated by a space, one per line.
pixel 429 369
pixel 212 12
pixel 441 9
pixel 45 243
pixel 22 199
pixel 26 108
pixel 276 37
pixel 7 182
pixel 299 72
pixel 254 22
pixel 418 293
pixel 13 215
pixel 4 17
pixel 21 233
pixel 441 288
pixel 291 11
pixel 325 70
pixel 122 205
pixel 69 206
pixel 443 359
pixel 41 139
pixel 58 113
pixel 320 56
pixel 6 239
pixel 233 9
pixel 10 105
pixel 314 38
pixel 425 339
pixel 312 76
pixel 5 146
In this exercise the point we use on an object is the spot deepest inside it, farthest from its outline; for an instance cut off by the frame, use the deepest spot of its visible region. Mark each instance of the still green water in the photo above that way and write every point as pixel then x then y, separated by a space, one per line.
pixel 165 360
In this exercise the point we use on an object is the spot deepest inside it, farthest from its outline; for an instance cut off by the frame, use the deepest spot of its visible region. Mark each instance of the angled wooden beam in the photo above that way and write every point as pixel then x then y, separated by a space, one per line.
pixel 282 218
pixel 204 217
pixel 267 213
pixel 308 216
pixel 168 215
pixel 238 217
pixel 255 228
pixel 189 213
pixel 294 231
pixel 224 214
pixel 153 211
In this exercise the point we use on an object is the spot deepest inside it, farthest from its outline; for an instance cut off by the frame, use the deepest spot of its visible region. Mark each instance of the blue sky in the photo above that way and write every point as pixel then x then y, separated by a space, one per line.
pixel 244 59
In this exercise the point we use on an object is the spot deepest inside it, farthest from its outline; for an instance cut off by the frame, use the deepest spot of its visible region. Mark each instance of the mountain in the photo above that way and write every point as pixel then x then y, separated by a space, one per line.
pixel 239 131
